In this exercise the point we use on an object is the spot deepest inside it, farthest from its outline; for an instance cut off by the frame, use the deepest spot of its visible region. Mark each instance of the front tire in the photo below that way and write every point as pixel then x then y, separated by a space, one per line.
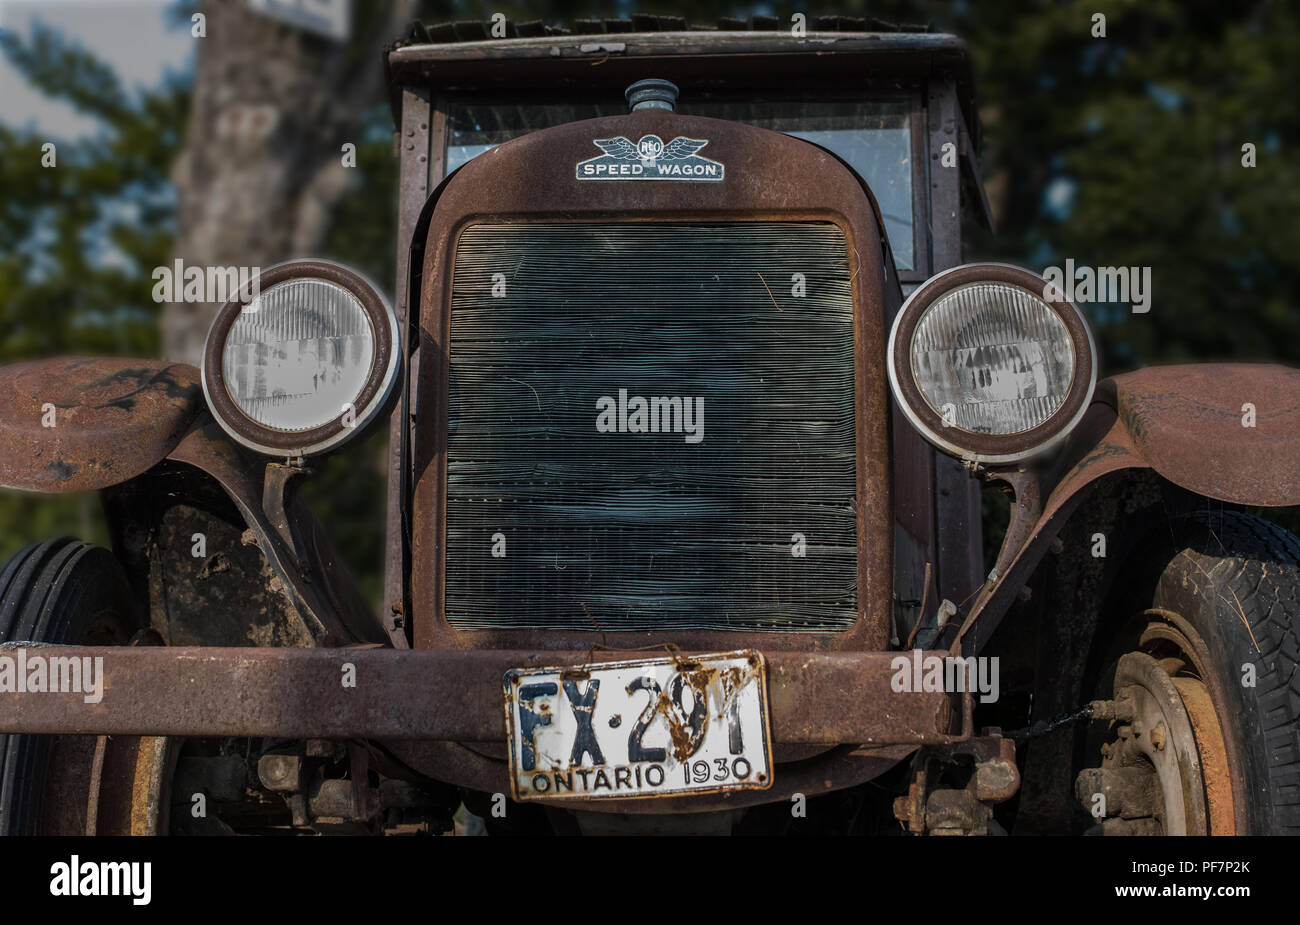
pixel 60 591
pixel 1205 687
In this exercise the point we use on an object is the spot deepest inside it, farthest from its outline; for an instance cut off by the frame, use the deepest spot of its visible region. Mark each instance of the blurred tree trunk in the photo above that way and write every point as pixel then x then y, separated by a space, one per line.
pixel 262 165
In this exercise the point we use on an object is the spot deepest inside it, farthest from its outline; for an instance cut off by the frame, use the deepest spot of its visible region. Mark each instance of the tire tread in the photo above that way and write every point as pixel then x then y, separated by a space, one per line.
pixel 1256 575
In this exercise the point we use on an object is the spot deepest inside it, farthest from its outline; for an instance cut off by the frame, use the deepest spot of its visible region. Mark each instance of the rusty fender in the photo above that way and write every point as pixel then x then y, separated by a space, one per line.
pixel 1227 431
pixel 84 423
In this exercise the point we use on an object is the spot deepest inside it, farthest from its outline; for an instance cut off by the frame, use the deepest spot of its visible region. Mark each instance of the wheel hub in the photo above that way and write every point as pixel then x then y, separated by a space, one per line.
pixel 1164 738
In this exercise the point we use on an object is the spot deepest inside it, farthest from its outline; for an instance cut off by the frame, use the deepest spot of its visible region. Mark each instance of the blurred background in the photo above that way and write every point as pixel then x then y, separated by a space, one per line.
pixel 224 149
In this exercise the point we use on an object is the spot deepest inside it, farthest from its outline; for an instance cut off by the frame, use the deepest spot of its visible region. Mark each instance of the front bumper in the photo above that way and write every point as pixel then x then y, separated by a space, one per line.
pixel 441 712
pixel 380 693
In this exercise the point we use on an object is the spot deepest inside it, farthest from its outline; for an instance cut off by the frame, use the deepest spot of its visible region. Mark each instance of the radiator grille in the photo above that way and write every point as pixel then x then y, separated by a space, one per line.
pixel 623 530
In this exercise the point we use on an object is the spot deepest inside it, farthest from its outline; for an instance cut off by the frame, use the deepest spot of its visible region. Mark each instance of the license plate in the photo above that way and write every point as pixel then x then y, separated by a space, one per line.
pixel 640 728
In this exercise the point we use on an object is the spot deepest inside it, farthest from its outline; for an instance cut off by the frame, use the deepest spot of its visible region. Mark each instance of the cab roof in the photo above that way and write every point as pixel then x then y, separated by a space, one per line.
pixel 605 55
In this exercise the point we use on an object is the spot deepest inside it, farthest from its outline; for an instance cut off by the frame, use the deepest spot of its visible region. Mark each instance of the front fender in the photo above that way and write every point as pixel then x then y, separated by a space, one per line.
pixel 84 423
pixel 81 424
pixel 1226 431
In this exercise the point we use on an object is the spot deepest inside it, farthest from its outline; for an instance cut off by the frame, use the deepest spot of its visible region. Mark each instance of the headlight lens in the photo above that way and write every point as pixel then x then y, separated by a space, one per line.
pixel 990 365
pixel 992 357
pixel 303 363
pixel 298 354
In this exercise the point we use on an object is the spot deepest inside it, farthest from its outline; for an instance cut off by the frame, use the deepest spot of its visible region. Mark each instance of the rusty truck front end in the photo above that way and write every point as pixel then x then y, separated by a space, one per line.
pixel 677 526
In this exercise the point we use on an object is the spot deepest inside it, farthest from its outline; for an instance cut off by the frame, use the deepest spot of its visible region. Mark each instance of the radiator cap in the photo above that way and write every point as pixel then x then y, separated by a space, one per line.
pixel 652 93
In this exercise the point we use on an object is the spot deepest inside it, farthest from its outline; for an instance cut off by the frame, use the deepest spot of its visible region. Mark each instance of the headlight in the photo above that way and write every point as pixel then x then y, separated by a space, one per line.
pixel 304 363
pixel 989 368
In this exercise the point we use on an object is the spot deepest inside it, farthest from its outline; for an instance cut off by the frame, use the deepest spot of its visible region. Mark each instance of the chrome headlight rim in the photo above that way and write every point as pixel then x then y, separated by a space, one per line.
pixel 989 449
pixel 374 394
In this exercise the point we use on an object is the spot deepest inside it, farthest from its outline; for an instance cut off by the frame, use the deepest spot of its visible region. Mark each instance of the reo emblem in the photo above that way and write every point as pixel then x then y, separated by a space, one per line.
pixel 650 159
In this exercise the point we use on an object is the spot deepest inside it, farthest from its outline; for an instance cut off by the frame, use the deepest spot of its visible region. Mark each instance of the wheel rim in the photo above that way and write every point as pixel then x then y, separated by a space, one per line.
pixel 1159 742
pixel 1173 642
pixel 1216 778
pixel 131 785
pixel 1164 763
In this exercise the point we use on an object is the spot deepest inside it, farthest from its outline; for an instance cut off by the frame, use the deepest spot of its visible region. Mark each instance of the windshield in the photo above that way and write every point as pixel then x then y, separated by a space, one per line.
pixel 873 137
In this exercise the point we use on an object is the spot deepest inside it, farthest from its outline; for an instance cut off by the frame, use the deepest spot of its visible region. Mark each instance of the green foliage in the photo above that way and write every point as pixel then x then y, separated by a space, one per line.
pixel 348 493
pixel 30 518
pixel 1148 124
pixel 78 240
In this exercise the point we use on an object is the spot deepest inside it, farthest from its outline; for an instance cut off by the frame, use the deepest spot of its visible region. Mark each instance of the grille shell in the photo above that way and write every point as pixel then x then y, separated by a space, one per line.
pixel 646 531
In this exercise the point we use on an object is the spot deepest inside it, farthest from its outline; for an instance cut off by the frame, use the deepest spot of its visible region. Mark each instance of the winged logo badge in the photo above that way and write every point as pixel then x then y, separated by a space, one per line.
pixel 650 159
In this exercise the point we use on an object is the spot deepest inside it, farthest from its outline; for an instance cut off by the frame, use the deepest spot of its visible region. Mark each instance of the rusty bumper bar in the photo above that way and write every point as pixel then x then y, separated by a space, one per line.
pixel 379 693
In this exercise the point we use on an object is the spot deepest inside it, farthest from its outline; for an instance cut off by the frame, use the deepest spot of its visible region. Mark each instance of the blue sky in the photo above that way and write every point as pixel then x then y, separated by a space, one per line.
pixel 140 39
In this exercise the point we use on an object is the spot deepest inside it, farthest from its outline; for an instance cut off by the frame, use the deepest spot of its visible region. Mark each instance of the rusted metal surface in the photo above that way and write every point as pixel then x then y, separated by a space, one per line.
pixel 1152 737
pixel 931 807
pixel 1026 507
pixel 1199 688
pixel 957 527
pixel 915 543
pixel 1187 423
pixel 227 596
pixel 579 63
pixel 1100 457
pixel 914 533
pixel 814 695
pixel 279 489
pixel 1213 752
pixel 774 177
pixel 945 185
pixel 923 254
pixel 419 138
pixel 818 698
pixel 129 790
pixel 308 571
pixel 79 423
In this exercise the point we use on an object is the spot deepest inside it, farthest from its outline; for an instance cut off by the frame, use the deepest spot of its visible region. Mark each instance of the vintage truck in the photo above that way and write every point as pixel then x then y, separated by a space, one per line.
pixel 692 403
